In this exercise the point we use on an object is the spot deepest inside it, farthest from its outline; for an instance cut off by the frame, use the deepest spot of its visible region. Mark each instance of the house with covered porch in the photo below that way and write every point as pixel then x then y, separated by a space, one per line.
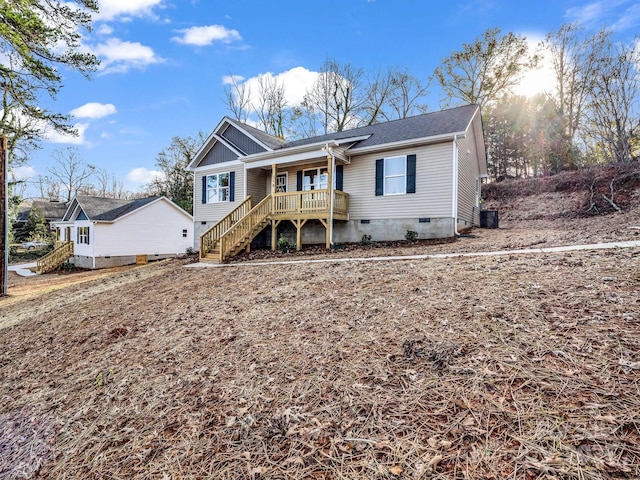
pixel 420 174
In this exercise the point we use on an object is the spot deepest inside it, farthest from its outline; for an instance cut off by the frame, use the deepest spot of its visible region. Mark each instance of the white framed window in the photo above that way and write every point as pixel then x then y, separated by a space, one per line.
pixel 83 235
pixel 315 179
pixel 217 187
pixel 395 175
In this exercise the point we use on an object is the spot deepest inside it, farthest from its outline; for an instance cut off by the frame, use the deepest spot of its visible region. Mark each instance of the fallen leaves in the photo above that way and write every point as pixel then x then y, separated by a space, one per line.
pixel 411 369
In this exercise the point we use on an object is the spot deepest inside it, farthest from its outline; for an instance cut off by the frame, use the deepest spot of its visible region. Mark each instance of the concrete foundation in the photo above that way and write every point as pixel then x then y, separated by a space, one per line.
pixel 353 231
pixel 392 229
pixel 108 262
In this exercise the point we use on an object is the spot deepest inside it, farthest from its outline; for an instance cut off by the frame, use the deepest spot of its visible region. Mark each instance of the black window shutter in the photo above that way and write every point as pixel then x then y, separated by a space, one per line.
pixel 299 181
pixel 87 235
pixel 339 177
pixel 232 186
pixel 379 177
pixel 204 189
pixel 411 174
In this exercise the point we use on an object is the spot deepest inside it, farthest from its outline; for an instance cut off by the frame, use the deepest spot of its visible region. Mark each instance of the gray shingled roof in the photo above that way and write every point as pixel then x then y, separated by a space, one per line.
pixel 421 126
pixel 51 211
pixel 269 140
pixel 110 209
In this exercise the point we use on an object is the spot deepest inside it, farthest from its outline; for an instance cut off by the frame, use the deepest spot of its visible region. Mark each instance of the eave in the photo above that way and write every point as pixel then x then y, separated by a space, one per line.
pixel 301 153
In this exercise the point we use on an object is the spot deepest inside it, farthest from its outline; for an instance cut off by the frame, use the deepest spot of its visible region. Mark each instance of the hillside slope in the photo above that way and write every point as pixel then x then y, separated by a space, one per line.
pixel 582 202
pixel 522 366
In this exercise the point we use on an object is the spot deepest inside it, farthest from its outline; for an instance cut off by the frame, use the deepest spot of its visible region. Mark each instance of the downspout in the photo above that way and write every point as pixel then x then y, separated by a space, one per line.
pixel 93 247
pixel 331 192
pixel 454 200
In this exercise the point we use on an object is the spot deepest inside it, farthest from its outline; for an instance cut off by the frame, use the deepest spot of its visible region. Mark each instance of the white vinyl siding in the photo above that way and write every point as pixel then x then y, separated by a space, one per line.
pixel 434 178
pixel 212 212
pixel 257 180
pixel 83 249
pixel 468 175
pixel 156 229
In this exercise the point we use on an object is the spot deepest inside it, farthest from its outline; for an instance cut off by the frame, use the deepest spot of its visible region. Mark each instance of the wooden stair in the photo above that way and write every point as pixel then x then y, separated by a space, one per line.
pixel 55 258
pixel 235 232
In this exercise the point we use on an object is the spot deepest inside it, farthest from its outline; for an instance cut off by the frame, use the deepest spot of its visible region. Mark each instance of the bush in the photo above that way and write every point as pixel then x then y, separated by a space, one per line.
pixel 411 235
pixel 366 240
pixel 284 245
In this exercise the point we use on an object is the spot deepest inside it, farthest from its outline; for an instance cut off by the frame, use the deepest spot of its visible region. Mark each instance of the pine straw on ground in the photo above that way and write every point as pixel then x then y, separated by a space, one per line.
pixel 523 367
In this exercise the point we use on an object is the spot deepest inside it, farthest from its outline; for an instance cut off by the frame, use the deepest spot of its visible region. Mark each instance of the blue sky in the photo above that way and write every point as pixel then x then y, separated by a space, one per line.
pixel 164 62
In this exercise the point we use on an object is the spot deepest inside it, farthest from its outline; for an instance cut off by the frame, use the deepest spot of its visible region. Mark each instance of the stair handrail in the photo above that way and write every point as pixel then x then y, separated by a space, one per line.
pixel 209 238
pixel 244 227
pixel 55 258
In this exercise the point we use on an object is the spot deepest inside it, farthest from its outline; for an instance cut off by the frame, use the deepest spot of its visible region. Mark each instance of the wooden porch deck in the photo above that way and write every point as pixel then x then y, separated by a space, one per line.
pixel 309 205
pixel 236 231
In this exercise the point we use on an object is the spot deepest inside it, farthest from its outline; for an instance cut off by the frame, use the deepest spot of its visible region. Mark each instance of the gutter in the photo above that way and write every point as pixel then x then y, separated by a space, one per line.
pixel 406 143
pixel 298 150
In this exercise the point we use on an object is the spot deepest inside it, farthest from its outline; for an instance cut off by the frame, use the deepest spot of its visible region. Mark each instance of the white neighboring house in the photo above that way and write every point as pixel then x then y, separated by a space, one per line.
pixel 109 232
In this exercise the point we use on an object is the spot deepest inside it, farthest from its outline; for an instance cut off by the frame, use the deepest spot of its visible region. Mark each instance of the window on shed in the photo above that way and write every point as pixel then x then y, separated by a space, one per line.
pixel 83 235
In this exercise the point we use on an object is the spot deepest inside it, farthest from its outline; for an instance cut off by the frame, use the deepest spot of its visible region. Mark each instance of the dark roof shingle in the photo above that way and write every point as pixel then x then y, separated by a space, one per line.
pixel 420 126
pixel 110 209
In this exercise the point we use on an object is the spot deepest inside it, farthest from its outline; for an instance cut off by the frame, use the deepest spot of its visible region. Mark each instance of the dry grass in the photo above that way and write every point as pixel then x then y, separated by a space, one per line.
pixel 521 367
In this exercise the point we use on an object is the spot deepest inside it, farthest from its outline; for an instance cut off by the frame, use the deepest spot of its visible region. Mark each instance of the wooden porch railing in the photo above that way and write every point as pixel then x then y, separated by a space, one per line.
pixel 52 260
pixel 309 201
pixel 210 238
pixel 243 231
pixel 236 230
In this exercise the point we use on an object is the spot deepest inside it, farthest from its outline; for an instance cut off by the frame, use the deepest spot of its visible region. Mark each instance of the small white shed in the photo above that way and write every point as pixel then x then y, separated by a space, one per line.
pixel 109 232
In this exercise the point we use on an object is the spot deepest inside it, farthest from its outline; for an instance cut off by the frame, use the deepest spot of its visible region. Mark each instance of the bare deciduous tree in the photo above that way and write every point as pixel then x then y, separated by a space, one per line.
pixel 406 93
pixel 486 69
pixel 574 57
pixel 272 106
pixel 237 97
pixel 336 97
pixel 176 183
pixel 70 171
pixel 614 98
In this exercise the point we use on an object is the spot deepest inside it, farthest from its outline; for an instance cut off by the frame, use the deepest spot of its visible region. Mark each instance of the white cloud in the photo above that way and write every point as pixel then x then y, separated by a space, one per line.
pixel 56 137
pixel 202 36
pixel 619 14
pixel 110 9
pixel 142 175
pixel 586 14
pixel 23 172
pixel 630 19
pixel 296 82
pixel 94 110
pixel 118 56
pixel 104 30
pixel 231 79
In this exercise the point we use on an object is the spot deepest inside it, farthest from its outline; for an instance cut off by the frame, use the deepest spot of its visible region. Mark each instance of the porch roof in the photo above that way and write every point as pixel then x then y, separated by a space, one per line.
pixel 303 153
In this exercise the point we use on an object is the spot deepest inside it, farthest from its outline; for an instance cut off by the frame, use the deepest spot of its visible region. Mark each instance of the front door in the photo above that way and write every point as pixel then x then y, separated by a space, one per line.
pixel 281 183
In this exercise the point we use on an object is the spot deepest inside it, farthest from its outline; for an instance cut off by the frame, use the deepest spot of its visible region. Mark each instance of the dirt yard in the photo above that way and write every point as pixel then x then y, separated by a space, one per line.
pixel 519 367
